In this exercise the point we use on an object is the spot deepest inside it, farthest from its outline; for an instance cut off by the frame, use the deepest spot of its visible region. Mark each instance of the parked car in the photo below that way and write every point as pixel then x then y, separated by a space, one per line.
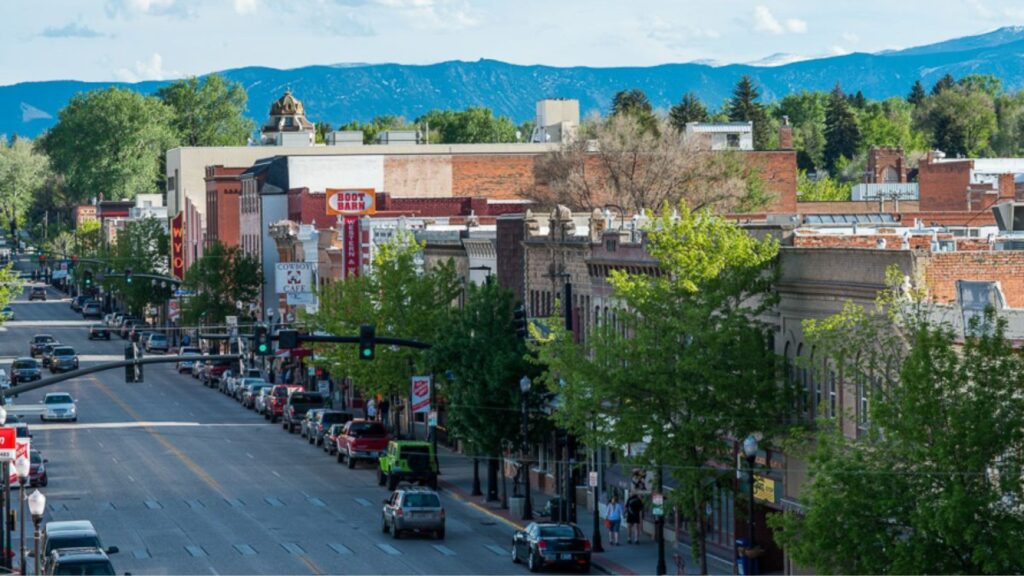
pixel 7 313
pixel 408 461
pixel 278 398
pixel 549 544
pixel 362 440
pixel 330 443
pixel 198 367
pixel 77 302
pixel 252 389
pixel 37 293
pixel 93 561
pixel 413 510
pixel 157 342
pixel 307 423
pixel 211 375
pixel 98 332
pixel 25 369
pixel 35 345
pixel 72 534
pixel 37 470
pixel 46 354
pixel 184 365
pixel 63 359
pixel 5 380
pixel 260 404
pixel 299 402
pixel 323 420
pixel 115 319
pixel 59 406
pixel 92 310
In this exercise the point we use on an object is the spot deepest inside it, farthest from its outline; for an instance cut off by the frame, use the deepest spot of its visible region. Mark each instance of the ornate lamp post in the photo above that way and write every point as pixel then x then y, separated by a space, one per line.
pixel 22 466
pixel 37 505
pixel 750 452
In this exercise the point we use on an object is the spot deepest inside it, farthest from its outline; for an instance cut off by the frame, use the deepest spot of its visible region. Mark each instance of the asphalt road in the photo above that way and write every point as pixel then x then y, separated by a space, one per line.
pixel 185 481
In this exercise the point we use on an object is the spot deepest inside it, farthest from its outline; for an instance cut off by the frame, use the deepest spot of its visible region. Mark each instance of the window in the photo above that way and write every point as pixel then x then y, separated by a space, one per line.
pixel 832 394
pixel 732 141
pixel 890 175
pixel 610 245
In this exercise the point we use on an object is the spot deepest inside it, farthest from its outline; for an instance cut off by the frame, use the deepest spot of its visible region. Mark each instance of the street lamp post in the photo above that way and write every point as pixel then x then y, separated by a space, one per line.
pixel 3 504
pixel 596 536
pixel 750 451
pixel 524 387
pixel 37 505
pixel 22 466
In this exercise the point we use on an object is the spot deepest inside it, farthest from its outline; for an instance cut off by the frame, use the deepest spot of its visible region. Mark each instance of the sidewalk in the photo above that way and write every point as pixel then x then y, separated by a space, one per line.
pixel 625 559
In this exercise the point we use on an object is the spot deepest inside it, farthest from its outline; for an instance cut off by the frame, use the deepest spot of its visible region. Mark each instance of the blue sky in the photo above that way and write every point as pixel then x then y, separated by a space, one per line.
pixel 135 40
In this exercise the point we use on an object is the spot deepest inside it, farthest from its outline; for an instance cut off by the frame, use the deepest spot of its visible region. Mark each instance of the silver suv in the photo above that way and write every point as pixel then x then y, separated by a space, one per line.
pixel 413 510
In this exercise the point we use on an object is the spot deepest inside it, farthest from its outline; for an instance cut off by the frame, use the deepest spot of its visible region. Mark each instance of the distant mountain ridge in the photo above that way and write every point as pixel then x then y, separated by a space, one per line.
pixel 338 93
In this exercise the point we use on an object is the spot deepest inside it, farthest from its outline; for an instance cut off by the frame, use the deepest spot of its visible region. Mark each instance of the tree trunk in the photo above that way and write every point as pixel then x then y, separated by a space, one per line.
pixel 701 533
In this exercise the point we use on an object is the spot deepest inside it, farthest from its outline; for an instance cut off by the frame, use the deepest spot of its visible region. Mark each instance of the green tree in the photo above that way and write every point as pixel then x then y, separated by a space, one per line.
pixel 917 94
pixel 379 124
pixel 988 83
pixel 478 346
pixel 208 112
pixel 397 298
pixel 678 382
pixel 689 109
pixel 806 112
pixel 143 246
pixel 1008 139
pixel 222 277
pixel 23 173
pixel 842 134
pixel 322 130
pixel 475 125
pixel 11 285
pixel 890 123
pixel 933 484
pixel 959 121
pixel 824 189
pixel 633 103
pixel 110 142
pixel 744 107
pixel 943 84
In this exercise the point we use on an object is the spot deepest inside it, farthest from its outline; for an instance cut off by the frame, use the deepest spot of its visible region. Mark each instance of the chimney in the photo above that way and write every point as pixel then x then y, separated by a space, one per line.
pixel 785 135
pixel 1007 187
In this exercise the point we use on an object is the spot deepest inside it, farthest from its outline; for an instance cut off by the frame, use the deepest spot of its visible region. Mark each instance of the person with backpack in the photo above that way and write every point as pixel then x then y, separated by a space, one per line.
pixel 634 515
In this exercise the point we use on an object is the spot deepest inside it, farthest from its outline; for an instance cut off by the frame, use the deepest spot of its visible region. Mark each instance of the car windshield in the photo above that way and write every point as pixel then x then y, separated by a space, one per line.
pixel 158 337
pixel 416 500
pixel 333 417
pixel 37 458
pixel 98 327
pixel 190 351
pixel 23 364
pixel 254 381
pixel 367 430
pixel 559 532
pixel 85 568
pixel 41 339
pixel 58 399
pixel 65 351
pixel 59 541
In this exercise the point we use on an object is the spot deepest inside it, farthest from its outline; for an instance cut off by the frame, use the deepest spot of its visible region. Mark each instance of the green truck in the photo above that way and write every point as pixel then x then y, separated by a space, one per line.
pixel 408 461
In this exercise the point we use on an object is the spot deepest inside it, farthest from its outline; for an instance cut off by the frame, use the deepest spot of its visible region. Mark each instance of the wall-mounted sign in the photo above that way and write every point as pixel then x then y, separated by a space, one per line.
pixel 178 246
pixel 294 277
pixel 352 246
pixel 351 201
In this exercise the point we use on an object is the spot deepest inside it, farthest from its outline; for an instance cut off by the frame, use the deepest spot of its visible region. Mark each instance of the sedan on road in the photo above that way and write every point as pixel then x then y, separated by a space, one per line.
pixel 25 370
pixel 92 310
pixel 77 302
pixel 7 313
pixel 64 358
pixel 37 293
pixel 551 544
pixel 59 406
pixel 157 342
pixel 413 510
pixel 99 332
pixel 35 345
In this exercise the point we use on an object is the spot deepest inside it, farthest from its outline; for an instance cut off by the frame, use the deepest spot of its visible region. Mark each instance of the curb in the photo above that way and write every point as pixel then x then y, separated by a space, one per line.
pixel 600 565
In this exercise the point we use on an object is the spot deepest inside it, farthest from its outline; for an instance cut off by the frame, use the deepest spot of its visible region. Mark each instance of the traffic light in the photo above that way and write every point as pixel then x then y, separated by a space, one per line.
pixel 367 341
pixel 259 341
pixel 87 278
pixel 519 322
pixel 287 339
pixel 127 275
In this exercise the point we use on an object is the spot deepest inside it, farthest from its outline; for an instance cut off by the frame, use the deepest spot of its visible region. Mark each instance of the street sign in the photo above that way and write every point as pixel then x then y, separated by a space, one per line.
pixel 231 321
pixel 657 498
pixel 21 451
pixel 432 418
pixel 8 440
pixel 420 394
pixel 658 511
pixel 593 480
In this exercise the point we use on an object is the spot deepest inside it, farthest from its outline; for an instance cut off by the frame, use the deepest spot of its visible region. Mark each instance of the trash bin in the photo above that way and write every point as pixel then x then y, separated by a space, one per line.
pixel 742 562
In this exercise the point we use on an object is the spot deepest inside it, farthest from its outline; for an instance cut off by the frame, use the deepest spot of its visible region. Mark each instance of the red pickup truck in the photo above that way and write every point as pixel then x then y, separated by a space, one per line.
pixel 362 440
pixel 278 398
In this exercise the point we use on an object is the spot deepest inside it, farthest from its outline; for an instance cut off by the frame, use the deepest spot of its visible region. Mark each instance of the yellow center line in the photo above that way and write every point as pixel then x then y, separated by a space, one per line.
pixel 188 462
pixel 480 508
pixel 311 565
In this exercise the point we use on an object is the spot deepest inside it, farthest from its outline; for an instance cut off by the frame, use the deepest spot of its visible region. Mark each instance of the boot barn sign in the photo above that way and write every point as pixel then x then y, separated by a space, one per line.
pixel 351 201
pixel 178 246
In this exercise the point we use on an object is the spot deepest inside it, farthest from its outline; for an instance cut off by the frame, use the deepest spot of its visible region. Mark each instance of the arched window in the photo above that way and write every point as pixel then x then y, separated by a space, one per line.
pixel 890 175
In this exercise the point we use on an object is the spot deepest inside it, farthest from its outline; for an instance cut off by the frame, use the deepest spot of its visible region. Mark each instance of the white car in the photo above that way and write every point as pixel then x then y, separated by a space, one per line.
pixel 186 365
pixel 59 406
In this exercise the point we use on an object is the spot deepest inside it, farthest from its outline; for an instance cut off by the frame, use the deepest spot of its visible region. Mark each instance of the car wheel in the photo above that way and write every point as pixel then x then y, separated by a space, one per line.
pixel 392 482
pixel 532 563
pixel 380 477
pixel 273 419
pixel 384 524
pixel 394 531
pixel 515 554
pixel 351 461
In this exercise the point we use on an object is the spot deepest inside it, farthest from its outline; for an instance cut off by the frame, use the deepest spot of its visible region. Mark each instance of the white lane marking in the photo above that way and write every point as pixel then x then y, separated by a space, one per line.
pixel 250 455
pixel 389 549
pixel 274 472
pixel 131 478
pixel 444 549
pixel 145 424
pixel 114 458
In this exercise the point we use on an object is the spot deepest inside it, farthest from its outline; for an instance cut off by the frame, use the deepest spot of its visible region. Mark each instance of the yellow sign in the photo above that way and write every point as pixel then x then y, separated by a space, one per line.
pixel 764 489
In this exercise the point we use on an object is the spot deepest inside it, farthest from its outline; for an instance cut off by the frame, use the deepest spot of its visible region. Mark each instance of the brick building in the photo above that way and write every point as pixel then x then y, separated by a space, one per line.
pixel 223 193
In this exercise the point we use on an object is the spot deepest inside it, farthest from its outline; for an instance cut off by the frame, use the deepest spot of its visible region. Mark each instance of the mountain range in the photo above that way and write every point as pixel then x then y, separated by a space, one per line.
pixel 342 92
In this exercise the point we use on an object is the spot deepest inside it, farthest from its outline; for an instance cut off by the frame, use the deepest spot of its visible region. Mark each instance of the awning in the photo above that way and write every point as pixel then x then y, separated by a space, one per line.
pixel 294 353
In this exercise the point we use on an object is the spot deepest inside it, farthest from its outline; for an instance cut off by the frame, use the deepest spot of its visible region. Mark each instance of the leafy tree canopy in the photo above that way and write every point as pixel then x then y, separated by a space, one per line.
pixel 208 112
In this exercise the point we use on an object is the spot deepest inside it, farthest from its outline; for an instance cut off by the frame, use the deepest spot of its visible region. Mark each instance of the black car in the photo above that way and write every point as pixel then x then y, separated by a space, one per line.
pixel 37 293
pixel 77 302
pixel 35 345
pixel 25 370
pixel 298 404
pixel 99 331
pixel 548 544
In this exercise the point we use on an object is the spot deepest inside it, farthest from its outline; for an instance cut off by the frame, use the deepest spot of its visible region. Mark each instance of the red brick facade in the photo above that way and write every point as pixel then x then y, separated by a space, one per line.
pixel 944 184
pixel 499 176
pixel 778 170
pixel 1007 267
pixel 223 192
pixel 885 165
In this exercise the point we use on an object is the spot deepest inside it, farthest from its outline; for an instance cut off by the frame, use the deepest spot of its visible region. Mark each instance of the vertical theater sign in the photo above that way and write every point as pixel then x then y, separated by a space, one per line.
pixel 178 246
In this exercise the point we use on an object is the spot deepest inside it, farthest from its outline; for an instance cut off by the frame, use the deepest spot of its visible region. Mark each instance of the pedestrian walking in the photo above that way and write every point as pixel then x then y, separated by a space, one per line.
pixel 613 519
pixel 371 409
pixel 634 515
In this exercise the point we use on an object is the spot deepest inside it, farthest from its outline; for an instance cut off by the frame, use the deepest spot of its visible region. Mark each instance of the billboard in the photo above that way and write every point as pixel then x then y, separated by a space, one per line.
pixel 351 201
pixel 294 277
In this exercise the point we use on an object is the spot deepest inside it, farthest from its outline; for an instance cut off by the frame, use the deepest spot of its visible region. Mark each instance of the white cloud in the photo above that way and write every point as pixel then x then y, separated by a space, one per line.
pixel 245 6
pixel 133 8
pixel 850 37
pixel 765 21
pixel 838 50
pixel 433 15
pixel 151 69
pixel 980 8
pixel 676 35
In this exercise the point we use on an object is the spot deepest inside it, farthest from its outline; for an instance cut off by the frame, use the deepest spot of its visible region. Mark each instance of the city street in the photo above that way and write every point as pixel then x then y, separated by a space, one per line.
pixel 184 480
